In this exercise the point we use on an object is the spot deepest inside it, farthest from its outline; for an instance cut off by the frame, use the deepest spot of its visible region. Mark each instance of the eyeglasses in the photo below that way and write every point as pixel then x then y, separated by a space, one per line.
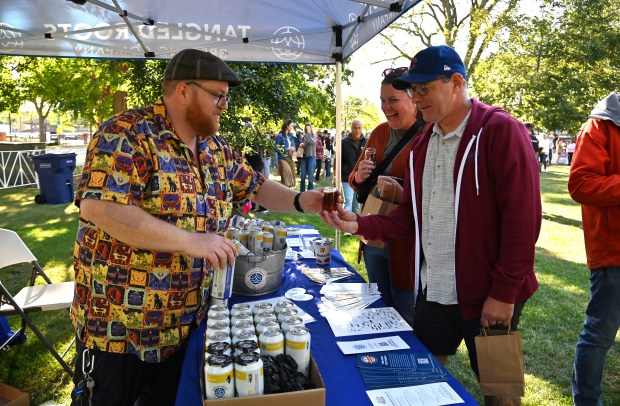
pixel 389 71
pixel 422 88
pixel 220 97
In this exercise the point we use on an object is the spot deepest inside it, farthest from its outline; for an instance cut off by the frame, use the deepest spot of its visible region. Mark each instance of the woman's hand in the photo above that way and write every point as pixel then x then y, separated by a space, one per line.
pixel 364 169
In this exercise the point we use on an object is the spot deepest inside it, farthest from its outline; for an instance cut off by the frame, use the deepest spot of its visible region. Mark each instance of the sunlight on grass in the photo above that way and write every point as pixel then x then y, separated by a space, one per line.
pixel 39 234
pixel 539 392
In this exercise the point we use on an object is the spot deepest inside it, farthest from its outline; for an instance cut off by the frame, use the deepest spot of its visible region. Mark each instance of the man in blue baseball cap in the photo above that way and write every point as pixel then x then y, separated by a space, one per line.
pixel 472 200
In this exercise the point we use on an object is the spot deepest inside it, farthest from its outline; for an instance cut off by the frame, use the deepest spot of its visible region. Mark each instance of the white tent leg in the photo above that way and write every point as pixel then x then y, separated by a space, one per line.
pixel 337 160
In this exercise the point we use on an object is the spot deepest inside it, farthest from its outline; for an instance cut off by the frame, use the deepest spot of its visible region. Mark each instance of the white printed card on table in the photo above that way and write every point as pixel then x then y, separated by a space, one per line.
pixel 366 321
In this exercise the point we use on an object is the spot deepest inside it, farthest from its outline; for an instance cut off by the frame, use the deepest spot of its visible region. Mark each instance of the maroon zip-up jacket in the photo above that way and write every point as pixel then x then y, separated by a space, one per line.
pixel 498 209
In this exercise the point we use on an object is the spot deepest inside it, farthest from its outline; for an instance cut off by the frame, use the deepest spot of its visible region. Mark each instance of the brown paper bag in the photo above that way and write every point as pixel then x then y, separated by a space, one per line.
pixel 375 205
pixel 500 363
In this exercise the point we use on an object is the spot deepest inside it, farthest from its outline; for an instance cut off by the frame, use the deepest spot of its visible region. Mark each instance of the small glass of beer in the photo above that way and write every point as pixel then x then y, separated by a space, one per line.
pixel 330 199
pixel 371 154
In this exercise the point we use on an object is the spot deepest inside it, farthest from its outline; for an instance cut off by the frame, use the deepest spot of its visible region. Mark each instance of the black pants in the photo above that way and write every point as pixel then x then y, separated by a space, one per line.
pixel 123 379
pixel 319 163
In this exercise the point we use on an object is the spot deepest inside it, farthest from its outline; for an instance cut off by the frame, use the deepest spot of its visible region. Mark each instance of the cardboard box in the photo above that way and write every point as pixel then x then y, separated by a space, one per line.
pixel 9 396
pixel 310 397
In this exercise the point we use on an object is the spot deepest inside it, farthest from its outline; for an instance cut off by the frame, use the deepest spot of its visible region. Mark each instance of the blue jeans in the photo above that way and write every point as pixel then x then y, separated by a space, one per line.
pixel 350 202
pixel 308 164
pixel 378 268
pixel 328 169
pixel 599 332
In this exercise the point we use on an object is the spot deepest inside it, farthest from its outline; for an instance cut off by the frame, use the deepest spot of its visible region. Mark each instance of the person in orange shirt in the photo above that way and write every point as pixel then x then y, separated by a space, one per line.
pixel 594 181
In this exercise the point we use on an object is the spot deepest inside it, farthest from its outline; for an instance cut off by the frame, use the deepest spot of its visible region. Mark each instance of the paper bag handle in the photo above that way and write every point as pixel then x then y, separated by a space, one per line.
pixel 484 331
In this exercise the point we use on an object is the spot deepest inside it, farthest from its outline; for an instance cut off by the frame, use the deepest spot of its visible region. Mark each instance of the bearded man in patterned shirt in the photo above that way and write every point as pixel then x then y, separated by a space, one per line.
pixel 157 190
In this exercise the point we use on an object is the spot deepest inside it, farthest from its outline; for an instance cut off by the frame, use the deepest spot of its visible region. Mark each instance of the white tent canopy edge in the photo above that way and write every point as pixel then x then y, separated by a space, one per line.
pixel 293 31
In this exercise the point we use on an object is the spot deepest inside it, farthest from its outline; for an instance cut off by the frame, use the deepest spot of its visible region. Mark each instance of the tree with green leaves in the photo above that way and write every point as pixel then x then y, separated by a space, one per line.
pixel 475 23
pixel 555 67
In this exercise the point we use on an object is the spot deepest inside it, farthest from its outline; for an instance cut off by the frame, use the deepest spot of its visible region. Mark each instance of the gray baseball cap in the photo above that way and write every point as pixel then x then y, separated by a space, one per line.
pixel 193 64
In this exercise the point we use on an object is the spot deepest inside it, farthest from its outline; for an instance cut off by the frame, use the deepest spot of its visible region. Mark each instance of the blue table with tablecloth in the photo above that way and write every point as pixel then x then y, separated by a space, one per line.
pixel 343 383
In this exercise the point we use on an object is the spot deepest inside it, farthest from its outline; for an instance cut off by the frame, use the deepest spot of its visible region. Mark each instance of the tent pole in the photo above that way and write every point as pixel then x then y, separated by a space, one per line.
pixel 336 160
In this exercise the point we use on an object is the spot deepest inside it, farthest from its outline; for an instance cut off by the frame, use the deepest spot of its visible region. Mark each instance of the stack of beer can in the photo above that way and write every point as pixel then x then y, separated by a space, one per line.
pixel 236 339
pixel 257 235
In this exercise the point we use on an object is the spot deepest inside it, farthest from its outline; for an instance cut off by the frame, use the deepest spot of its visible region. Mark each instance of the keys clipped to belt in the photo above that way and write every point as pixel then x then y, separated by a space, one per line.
pixel 83 392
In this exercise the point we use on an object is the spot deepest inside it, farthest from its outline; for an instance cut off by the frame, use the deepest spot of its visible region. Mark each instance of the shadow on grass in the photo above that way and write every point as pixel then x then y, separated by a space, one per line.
pixel 562 220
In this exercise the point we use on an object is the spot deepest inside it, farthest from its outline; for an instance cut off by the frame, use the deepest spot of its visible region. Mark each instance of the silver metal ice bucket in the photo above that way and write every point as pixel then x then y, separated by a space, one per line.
pixel 258 274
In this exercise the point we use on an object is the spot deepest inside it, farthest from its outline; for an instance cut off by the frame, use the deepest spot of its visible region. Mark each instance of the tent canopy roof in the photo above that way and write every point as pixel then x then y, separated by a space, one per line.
pixel 293 31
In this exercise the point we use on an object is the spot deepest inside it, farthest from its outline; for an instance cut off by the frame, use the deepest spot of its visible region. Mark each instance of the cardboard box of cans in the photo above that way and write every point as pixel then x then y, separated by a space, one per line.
pixel 309 397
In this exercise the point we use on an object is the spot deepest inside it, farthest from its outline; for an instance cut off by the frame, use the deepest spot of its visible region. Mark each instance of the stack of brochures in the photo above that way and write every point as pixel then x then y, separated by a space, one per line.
pixel 382 370
pixel 326 275
pixel 348 296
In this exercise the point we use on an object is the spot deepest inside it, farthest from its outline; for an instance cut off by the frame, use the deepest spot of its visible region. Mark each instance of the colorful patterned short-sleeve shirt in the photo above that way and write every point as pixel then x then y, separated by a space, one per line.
pixel 143 302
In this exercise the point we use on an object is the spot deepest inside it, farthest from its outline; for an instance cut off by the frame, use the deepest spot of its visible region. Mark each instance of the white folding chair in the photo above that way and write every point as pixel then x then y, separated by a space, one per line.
pixel 40 298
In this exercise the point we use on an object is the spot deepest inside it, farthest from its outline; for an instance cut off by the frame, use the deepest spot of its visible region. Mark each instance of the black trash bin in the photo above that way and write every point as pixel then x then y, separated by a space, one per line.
pixel 55 177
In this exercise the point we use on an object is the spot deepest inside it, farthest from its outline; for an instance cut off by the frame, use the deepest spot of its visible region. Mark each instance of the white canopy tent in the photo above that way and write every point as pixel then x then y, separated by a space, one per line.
pixel 281 31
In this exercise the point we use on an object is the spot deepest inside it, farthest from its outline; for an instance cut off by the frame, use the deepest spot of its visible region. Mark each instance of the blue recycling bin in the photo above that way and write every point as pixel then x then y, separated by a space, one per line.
pixel 55 177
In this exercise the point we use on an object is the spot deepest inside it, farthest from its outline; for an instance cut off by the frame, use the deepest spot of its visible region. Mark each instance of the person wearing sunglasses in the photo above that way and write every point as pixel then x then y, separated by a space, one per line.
pixel 472 201
pixel 158 188
pixel 388 265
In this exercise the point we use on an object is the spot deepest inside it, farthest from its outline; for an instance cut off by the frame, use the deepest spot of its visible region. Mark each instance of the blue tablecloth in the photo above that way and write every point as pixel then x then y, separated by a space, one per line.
pixel 343 383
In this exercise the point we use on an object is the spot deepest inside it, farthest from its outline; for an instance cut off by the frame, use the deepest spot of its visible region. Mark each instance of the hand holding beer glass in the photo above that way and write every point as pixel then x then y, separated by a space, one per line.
pixel 365 167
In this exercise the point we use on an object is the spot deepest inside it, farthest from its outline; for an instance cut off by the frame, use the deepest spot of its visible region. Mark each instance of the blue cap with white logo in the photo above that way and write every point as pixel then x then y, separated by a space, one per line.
pixel 431 63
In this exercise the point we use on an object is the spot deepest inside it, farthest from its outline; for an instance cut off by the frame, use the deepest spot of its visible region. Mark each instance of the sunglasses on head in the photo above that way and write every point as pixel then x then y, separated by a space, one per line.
pixel 401 70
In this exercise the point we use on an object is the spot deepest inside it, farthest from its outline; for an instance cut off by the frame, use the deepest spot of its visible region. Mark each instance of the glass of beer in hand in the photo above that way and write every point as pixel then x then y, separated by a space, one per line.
pixel 330 199
pixel 371 155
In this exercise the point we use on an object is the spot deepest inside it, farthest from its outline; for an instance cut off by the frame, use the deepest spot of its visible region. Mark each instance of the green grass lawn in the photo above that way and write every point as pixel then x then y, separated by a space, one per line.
pixel 550 324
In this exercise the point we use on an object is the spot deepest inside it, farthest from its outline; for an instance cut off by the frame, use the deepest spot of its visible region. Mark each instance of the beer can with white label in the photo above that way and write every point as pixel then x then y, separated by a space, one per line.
pixel 216 337
pixel 283 305
pixel 279 239
pixel 284 314
pixel 264 316
pixel 232 233
pixel 255 241
pixel 271 342
pixel 241 325
pixel 262 307
pixel 291 322
pixel 219 377
pixel 244 237
pixel 298 346
pixel 242 316
pixel 219 348
pixel 242 336
pixel 246 347
pixel 267 240
pixel 249 379
pixel 221 286
pixel 238 308
pixel 262 326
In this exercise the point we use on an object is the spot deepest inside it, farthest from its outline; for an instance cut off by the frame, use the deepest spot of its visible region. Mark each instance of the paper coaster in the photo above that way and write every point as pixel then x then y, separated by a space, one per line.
pixel 294 291
pixel 301 297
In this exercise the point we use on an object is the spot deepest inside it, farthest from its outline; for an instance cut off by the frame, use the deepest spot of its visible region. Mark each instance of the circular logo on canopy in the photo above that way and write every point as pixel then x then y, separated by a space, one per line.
pixel 10 40
pixel 288 43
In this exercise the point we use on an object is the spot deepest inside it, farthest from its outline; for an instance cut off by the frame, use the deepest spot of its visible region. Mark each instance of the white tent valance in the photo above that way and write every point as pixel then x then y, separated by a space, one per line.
pixel 293 31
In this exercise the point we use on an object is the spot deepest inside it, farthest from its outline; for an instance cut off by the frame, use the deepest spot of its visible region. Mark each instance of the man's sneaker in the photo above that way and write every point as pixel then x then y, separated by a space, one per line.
pixel 261 209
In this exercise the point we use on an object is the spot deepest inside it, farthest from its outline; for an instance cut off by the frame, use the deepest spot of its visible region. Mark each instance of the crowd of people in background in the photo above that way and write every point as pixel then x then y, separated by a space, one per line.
pixel 551 149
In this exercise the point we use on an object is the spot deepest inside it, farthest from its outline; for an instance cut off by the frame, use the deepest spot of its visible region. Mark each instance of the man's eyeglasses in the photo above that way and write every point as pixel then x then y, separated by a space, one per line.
pixel 220 97
pixel 422 88
pixel 400 70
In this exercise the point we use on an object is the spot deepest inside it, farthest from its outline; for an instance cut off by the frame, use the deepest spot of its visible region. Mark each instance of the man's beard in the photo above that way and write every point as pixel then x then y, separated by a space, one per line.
pixel 201 123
